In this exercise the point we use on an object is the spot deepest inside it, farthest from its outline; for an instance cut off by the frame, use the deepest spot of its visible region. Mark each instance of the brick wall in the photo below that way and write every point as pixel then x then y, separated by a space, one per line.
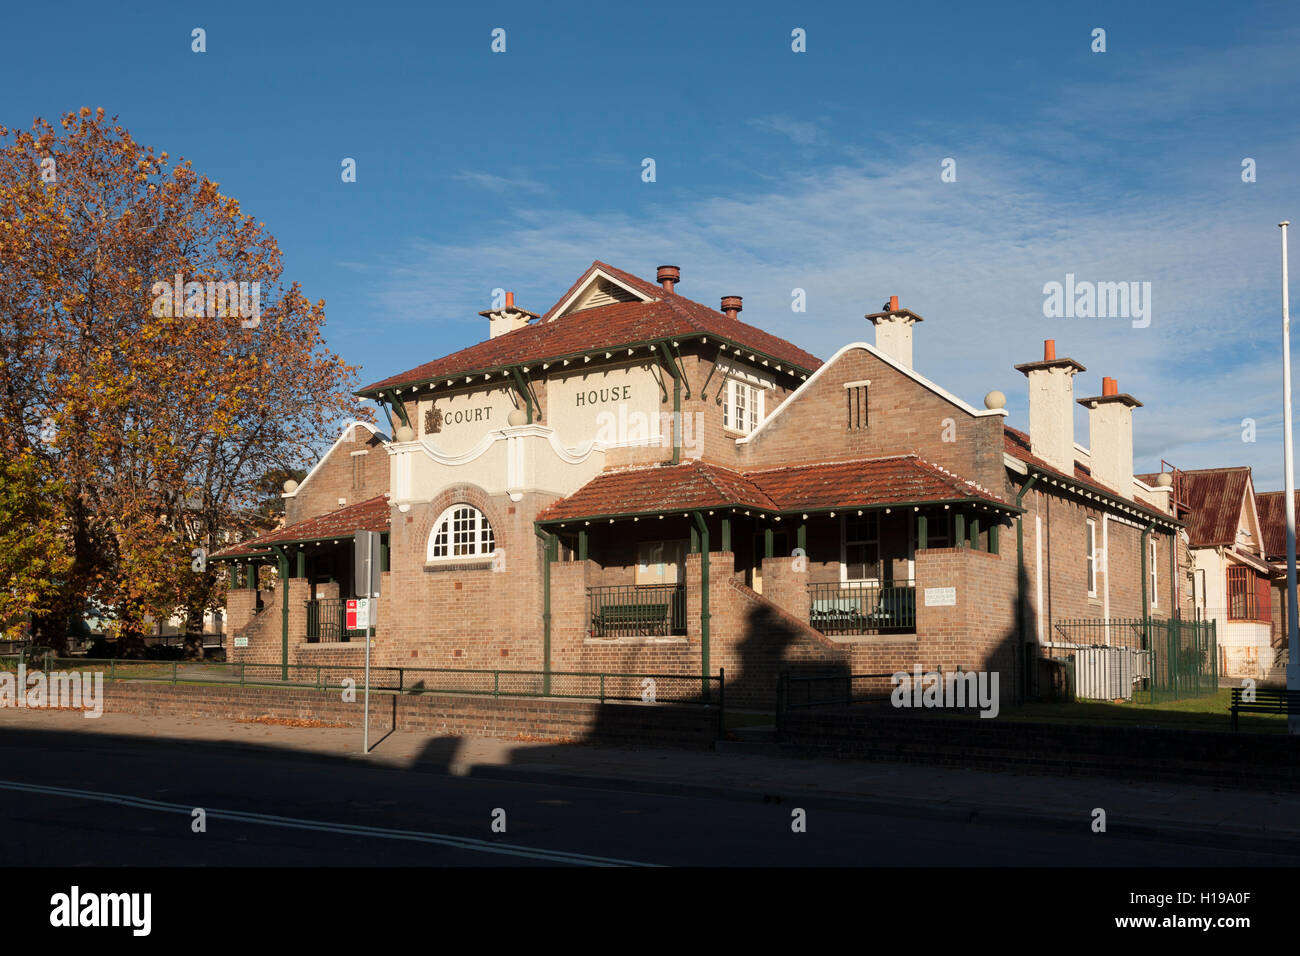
pixel 978 631
pixel 263 633
pixel 558 720
pixel 464 614
pixel 336 477
pixel 904 417
pixel 1064 566
pixel 1263 761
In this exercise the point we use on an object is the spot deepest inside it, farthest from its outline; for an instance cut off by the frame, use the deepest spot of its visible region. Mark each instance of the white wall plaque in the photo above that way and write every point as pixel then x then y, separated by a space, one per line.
pixel 940 597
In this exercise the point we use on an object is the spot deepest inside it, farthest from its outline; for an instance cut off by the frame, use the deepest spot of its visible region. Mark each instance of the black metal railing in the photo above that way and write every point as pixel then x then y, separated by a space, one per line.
pixel 637 610
pixel 327 622
pixel 863 609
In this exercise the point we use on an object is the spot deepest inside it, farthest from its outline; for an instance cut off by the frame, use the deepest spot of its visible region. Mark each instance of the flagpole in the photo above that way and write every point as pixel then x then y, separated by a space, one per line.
pixel 1292 612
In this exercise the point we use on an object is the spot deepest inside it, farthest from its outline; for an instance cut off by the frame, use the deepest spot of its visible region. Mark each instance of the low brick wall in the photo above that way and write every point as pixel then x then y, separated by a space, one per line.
pixel 443 714
pixel 1250 761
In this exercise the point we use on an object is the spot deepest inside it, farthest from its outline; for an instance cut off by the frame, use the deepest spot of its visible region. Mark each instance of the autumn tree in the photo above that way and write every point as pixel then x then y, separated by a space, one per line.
pixel 153 356
pixel 34 559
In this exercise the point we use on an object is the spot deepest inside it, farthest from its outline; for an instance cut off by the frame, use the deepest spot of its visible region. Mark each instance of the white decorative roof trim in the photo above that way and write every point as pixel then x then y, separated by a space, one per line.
pixel 579 292
pixel 915 376
pixel 320 461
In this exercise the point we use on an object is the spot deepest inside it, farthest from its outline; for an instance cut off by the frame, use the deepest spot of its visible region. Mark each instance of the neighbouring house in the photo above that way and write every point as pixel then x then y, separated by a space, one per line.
pixel 634 482
pixel 1271 506
pixel 1231 574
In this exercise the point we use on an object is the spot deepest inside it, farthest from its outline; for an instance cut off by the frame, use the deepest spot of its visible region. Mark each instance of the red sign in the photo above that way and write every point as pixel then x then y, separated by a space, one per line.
pixel 352 615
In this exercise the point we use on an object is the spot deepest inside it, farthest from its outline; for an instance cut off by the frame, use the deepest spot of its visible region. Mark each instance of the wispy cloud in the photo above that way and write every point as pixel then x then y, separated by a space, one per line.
pixel 502 184
pixel 802 132
pixel 972 256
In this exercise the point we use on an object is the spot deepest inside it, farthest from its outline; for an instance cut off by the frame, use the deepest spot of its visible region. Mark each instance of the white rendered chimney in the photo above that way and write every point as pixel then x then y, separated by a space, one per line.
pixel 1051 407
pixel 894 331
pixel 1110 436
pixel 508 318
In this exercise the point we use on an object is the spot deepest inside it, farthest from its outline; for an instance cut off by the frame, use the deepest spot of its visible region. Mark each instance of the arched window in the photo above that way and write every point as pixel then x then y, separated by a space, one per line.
pixel 461 531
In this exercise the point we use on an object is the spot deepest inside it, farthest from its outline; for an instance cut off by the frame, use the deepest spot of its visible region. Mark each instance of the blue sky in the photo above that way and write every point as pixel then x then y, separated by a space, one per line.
pixel 775 170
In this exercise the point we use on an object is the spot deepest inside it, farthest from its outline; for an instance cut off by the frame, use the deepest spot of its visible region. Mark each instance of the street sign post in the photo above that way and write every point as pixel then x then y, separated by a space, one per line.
pixel 365 585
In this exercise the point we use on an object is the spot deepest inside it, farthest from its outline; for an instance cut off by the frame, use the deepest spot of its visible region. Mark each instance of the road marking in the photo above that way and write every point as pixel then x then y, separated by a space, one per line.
pixel 267 819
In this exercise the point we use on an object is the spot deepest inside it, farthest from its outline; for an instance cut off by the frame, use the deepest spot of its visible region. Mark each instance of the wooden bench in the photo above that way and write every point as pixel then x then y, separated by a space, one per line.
pixel 638 618
pixel 1265 702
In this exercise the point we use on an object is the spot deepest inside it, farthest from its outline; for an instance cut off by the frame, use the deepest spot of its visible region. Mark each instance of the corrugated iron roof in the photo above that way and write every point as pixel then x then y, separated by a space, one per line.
pixel 1271 506
pixel 1214 497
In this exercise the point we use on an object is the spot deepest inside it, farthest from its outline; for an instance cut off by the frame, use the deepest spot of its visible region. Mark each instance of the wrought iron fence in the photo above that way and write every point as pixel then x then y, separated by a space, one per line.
pixel 637 610
pixel 863 609
pixel 1141 659
pixel 327 622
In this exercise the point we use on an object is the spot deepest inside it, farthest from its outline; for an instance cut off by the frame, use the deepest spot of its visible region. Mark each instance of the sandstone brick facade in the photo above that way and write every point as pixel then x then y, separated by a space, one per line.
pixel 491 612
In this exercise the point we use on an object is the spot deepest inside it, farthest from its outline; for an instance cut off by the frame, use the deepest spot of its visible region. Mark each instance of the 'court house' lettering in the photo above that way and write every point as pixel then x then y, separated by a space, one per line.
pixel 598 395
pixel 464 415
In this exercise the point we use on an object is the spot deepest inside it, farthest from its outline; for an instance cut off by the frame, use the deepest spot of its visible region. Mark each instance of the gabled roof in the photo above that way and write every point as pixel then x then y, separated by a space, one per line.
pixel 1214 497
pixel 1272 522
pixel 370 515
pixel 861 483
pixel 617 325
pixel 376 436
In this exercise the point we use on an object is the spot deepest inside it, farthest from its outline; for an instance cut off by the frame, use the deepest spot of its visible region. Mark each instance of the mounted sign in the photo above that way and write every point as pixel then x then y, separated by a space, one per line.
pixel 940 597
pixel 358 617
pixel 366 564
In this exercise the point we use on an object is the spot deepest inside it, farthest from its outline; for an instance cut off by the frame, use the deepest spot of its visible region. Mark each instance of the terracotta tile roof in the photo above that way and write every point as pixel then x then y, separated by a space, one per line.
pixel 1271 506
pixel 840 484
pixel 873 481
pixel 658 488
pixel 1016 444
pixel 371 515
pixel 604 327
pixel 1214 498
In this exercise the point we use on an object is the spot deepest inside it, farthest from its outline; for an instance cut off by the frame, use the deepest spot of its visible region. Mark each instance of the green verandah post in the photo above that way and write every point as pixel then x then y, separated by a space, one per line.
pixel 703 527
pixel 282 561
pixel 548 550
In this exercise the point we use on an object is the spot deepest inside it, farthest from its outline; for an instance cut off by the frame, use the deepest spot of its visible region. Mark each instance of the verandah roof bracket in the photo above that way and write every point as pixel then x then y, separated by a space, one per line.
pixel 676 355
pixel 704 390
pixel 524 386
pixel 389 400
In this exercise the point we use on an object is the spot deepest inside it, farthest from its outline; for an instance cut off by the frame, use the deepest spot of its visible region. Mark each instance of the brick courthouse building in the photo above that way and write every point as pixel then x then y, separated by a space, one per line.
pixel 636 482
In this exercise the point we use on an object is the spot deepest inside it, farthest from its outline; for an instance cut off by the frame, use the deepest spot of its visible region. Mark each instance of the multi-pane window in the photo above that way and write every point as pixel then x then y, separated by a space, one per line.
pixel 1090 556
pixel 743 409
pixel 862 547
pixel 1249 598
pixel 461 531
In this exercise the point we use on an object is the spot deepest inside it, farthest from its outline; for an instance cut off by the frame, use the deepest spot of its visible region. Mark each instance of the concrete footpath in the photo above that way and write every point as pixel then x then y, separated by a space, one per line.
pixel 1167 811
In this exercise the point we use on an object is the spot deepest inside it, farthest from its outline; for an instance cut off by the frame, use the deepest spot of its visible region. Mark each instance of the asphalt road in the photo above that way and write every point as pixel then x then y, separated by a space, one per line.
pixel 101 802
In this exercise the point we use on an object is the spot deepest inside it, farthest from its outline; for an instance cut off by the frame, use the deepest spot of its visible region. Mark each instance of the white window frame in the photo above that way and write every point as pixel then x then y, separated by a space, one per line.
pixel 1090 557
pixel 481 538
pixel 1155 590
pixel 752 411
pixel 844 551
